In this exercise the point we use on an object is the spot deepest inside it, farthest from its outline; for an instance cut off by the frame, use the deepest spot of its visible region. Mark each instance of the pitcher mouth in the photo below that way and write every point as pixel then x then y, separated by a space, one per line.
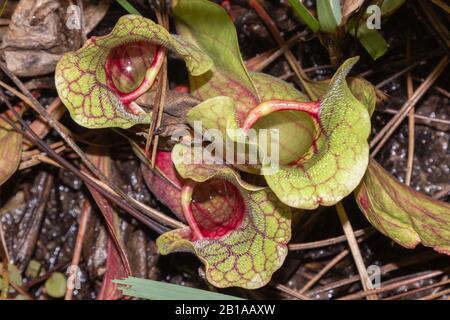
pixel 267 107
pixel 132 69
pixel 205 218
pixel 303 114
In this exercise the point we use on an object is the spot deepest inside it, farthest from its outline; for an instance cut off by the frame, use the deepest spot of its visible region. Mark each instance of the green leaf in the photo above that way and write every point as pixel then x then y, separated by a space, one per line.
pixel 337 154
pixel 129 7
pixel 55 286
pixel 288 123
pixel 329 14
pixel 100 82
pixel 371 40
pixel 214 195
pixel 406 216
pixel 364 92
pixel 242 242
pixel 229 78
pixel 304 15
pixel 209 26
pixel 10 149
pixel 157 290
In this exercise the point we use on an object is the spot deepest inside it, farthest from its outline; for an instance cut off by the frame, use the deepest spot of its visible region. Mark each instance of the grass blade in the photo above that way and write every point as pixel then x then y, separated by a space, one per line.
pixel 371 40
pixel 156 290
pixel 329 13
pixel 129 7
pixel 304 15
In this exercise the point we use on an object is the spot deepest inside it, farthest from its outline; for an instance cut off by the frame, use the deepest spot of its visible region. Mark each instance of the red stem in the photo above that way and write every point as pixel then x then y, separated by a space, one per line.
pixel 149 78
pixel 267 107
pixel 186 200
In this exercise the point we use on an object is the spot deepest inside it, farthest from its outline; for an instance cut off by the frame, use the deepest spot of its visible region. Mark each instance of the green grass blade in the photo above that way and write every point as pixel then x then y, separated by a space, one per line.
pixel 371 40
pixel 304 15
pixel 156 290
pixel 329 13
pixel 129 7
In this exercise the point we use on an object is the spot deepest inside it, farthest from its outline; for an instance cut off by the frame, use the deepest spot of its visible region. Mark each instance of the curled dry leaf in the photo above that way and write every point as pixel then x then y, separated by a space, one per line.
pixel 349 7
pixel 10 149
pixel 323 151
pixel 406 216
pixel 338 157
pixel 14 276
pixel 42 30
pixel 241 236
pixel 55 286
pixel 100 82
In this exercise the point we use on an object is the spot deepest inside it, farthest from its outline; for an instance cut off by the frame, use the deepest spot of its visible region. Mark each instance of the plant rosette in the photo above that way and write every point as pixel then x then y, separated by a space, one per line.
pixel 323 149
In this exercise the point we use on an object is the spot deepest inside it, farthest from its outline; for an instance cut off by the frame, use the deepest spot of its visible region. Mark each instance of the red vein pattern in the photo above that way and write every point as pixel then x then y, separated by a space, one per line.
pixel 82 80
pixel 401 213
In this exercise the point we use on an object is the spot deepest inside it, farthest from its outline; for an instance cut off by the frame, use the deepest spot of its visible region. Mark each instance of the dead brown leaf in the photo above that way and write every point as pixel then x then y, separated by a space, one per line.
pixel 349 7
pixel 41 31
